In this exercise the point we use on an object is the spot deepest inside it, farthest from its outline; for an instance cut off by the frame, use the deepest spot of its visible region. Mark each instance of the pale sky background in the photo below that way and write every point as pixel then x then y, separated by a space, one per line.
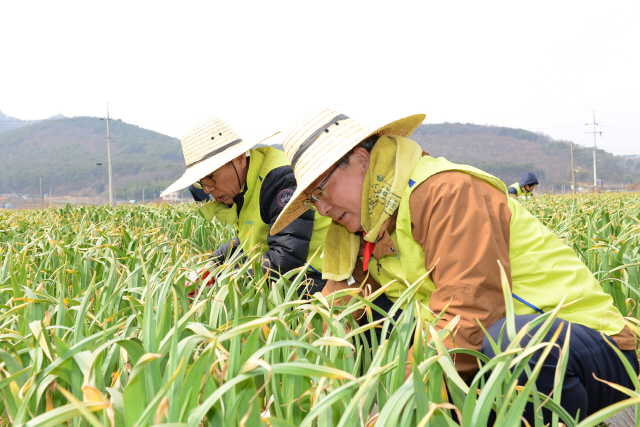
pixel 544 66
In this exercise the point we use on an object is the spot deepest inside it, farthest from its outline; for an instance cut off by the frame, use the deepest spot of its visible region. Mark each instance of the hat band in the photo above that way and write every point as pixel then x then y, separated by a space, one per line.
pixel 216 151
pixel 314 136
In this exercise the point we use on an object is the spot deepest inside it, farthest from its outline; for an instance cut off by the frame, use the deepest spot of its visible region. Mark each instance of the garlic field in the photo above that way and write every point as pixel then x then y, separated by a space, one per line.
pixel 98 327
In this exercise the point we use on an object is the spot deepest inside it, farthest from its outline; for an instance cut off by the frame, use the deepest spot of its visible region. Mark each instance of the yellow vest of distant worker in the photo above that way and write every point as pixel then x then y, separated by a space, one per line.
pixel 520 191
pixel 249 225
pixel 543 269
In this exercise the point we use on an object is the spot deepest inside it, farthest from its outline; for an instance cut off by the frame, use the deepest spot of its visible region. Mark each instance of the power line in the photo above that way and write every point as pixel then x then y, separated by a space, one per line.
pixel 618 127
pixel 557 127
pixel 623 153
pixel 50 120
pixel 620 136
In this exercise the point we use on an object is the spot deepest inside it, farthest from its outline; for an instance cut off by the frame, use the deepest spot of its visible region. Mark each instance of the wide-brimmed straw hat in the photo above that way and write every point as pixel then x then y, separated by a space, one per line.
pixel 319 141
pixel 206 147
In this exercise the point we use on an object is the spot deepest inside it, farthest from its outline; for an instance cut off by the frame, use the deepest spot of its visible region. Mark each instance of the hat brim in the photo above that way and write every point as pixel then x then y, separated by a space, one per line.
pixel 204 168
pixel 402 127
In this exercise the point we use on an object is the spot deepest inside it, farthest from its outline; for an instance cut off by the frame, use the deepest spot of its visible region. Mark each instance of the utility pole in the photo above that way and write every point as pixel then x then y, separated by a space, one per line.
pixel 595 176
pixel 41 195
pixel 50 196
pixel 143 196
pixel 573 171
pixel 109 158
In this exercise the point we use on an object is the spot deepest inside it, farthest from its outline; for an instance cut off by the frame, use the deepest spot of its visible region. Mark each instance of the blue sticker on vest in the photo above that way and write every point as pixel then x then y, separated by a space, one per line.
pixel 284 196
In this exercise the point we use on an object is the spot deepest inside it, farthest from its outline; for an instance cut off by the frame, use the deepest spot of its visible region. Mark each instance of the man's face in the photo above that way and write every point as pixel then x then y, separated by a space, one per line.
pixel 224 182
pixel 529 187
pixel 343 191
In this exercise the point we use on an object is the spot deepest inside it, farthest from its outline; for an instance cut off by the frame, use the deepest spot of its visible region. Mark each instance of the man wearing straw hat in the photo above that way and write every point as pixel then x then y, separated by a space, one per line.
pixel 249 189
pixel 416 219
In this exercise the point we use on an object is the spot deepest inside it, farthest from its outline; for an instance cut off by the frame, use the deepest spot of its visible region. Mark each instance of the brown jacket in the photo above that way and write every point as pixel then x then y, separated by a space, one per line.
pixel 462 224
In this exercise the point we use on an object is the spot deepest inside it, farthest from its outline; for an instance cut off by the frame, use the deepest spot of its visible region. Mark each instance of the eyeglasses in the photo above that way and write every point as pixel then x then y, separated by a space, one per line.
pixel 207 180
pixel 318 194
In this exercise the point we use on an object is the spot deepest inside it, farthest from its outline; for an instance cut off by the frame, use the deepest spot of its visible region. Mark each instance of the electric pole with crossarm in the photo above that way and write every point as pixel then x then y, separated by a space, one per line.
pixel 111 200
pixel 595 176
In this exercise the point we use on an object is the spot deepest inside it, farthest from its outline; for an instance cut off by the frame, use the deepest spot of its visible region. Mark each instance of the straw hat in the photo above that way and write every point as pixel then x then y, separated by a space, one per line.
pixel 206 147
pixel 319 141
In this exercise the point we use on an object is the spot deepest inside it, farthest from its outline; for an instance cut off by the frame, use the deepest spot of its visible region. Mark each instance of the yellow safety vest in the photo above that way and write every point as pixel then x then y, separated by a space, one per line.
pixel 520 191
pixel 543 269
pixel 250 225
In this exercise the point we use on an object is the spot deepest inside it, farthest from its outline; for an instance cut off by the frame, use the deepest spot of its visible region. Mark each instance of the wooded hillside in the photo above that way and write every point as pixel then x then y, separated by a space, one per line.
pixel 508 153
pixel 64 152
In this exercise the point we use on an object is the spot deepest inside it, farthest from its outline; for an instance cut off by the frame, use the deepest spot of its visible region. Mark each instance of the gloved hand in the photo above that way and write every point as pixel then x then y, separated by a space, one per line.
pixel 203 276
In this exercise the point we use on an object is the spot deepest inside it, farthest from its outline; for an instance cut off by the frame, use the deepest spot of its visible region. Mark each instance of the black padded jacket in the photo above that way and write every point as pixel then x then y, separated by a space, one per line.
pixel 290 247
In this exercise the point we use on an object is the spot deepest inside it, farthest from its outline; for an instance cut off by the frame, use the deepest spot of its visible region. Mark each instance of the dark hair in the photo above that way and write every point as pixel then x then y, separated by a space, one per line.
pixel 366 143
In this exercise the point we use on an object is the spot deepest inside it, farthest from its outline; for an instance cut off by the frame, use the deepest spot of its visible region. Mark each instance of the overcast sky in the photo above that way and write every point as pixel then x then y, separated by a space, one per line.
pixel 544 66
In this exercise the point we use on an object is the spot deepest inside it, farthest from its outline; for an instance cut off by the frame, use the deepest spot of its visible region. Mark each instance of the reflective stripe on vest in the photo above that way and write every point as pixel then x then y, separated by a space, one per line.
pixel 543 269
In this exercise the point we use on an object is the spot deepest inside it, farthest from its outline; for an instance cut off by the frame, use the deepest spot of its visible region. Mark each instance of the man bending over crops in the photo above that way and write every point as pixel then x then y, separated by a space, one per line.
pixel 250 188
pixel 405 214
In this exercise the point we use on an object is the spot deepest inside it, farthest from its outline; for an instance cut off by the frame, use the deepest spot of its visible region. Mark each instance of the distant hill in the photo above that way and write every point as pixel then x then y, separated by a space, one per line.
pixel 8 122
pixel 65 153
pixel 508 153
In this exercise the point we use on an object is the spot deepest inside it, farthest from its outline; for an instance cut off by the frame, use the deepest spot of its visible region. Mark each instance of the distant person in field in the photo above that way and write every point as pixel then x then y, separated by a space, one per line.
pixel 525 187
pixel 401 216
pixel 249 188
